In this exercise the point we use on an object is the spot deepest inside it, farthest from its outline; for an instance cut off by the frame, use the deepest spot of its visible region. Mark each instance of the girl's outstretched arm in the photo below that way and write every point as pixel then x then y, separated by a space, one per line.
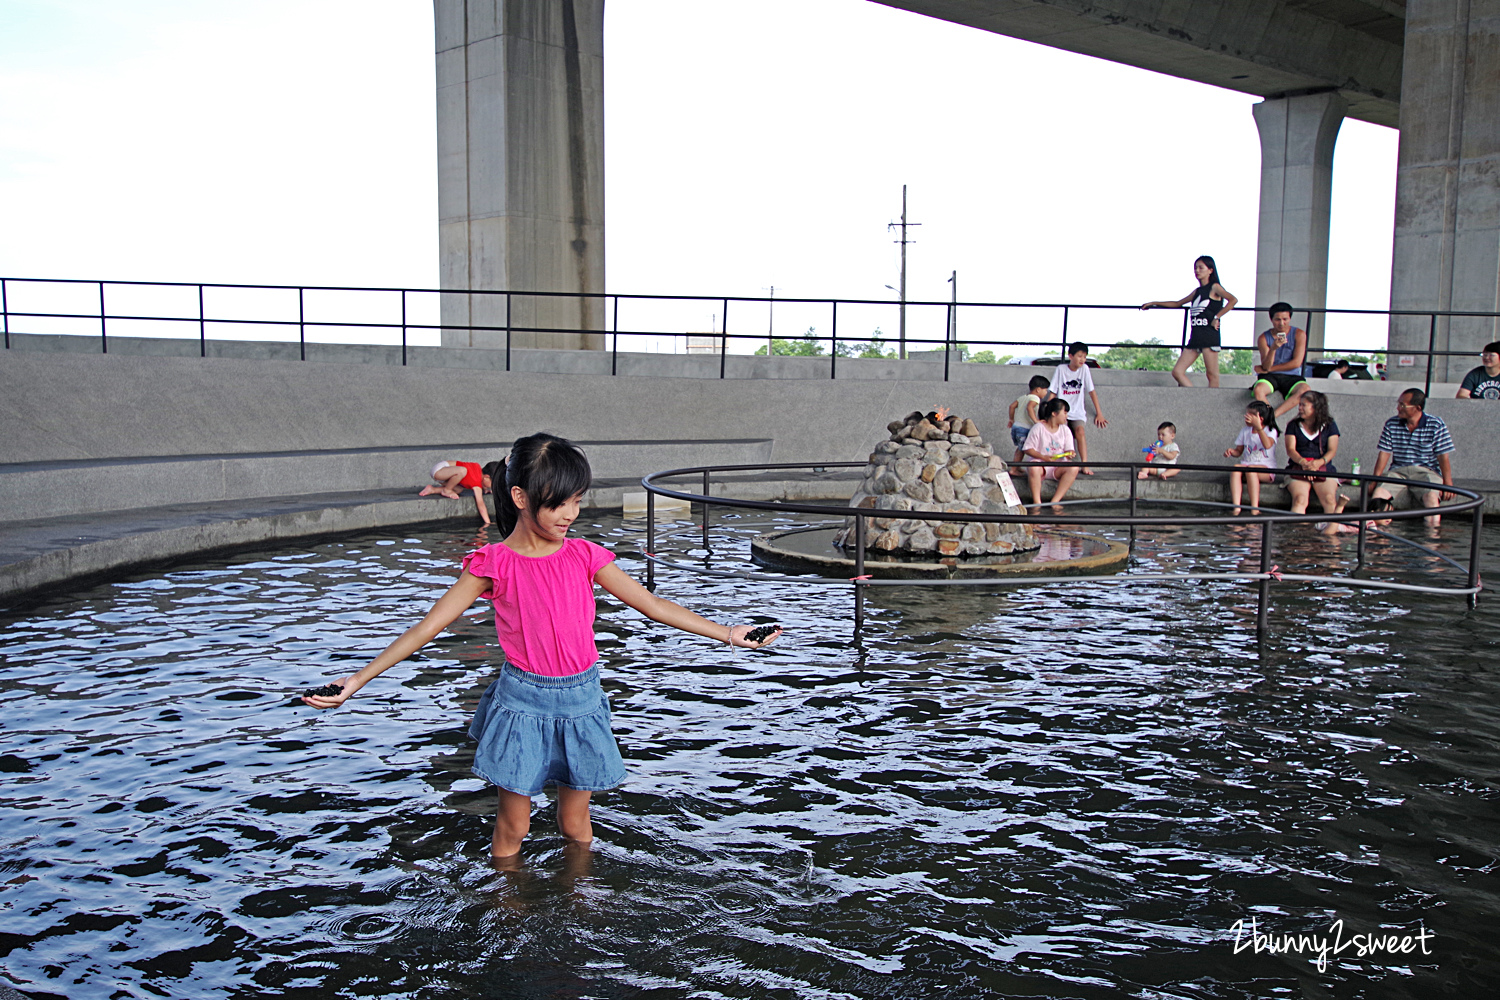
pixel 484 512
pixel 455 602
pixel 615 580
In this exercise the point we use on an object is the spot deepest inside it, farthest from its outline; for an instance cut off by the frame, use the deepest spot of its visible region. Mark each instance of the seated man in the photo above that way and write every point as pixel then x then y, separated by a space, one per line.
pixel 1283 360
pixel 1416 446
pixel 1483 382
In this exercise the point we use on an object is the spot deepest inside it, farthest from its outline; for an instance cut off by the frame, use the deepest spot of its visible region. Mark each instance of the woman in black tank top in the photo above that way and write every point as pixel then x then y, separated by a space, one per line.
pixel 1207 305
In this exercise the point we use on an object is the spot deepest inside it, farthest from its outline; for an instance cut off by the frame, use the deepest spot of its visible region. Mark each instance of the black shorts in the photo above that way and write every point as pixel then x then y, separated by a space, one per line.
pixel 1203 338
pixel 1282 382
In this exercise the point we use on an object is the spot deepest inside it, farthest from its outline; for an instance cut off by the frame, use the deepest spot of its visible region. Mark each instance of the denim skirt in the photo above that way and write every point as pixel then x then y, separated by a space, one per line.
pixel 535 731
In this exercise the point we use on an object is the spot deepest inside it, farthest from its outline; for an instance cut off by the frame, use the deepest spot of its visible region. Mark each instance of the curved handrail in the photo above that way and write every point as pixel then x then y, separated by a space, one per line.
pixel 1268 573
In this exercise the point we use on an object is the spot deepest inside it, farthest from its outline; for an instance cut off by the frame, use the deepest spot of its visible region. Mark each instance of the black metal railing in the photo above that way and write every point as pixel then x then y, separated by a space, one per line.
pixel 1464 501
pixel 948 343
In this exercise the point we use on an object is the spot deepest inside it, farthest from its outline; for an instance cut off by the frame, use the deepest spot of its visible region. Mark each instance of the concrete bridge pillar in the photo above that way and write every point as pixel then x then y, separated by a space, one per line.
pixel 520 120
pixel 1446 253
pixel 1297 135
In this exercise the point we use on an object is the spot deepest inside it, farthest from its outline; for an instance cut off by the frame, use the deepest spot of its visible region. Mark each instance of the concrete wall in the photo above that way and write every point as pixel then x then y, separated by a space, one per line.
pixel 92 432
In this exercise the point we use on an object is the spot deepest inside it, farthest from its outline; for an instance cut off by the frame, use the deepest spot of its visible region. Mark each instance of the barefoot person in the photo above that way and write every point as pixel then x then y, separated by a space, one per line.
pixel 1050 441
pixel 1073 382
pixel 1416 446
pixel 1207 305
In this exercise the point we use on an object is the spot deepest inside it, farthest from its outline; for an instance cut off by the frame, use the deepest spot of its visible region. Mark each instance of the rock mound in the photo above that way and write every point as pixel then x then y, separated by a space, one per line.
pixel 938 463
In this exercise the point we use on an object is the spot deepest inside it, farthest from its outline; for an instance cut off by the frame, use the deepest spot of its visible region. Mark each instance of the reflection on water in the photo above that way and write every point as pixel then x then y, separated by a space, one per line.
pixel 1055 791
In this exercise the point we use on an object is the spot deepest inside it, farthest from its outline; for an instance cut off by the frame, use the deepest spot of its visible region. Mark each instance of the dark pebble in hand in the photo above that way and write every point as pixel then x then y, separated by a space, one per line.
pixel 326 691
pixel 761 633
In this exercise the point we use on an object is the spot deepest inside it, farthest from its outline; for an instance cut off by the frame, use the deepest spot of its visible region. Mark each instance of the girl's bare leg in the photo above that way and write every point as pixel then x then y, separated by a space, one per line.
pixel 1299 490
pixel 1065 479
pixel 512 823
pixel 1168 473
pixel 1184 362
pixel 1255 481
pixel 1211 366
pixel 573 815
pixel 1034 477
pixel 1235 489
pixel 447 479
pixel 1328 495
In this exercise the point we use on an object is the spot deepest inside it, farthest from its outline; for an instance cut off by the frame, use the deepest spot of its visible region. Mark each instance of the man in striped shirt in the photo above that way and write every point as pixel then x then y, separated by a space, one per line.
pixel 1415 446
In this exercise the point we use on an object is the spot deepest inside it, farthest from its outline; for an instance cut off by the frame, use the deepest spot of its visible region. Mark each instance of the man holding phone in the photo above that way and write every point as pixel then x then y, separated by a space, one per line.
pixel 1283 360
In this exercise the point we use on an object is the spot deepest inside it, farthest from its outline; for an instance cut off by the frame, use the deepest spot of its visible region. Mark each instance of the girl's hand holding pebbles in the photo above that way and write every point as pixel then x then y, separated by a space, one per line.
pixel 753 638
pixel 329 695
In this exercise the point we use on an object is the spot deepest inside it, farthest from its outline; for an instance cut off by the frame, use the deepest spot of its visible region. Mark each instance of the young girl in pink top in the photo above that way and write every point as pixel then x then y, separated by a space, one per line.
pixel 545 720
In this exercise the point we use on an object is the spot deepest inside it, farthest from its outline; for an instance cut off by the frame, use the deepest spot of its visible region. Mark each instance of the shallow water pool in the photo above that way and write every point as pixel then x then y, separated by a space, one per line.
pixel 1058 791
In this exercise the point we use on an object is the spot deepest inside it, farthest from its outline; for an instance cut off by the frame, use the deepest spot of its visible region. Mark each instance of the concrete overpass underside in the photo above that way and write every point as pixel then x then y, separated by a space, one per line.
pixel 521 139
pixel 1352 47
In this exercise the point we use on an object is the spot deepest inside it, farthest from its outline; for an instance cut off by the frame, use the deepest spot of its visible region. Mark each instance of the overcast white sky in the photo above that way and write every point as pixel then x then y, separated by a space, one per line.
pixel 748 144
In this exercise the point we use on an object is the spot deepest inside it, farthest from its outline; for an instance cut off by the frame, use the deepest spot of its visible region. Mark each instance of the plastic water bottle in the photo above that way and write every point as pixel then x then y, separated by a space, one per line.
pixel 1354 471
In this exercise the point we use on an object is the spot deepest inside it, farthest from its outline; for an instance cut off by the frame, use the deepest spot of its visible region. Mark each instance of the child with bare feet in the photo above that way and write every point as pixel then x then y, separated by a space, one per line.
pixel 1256 449
pixel 1050 441
pixel 454 476
pixel 1020 424
pixel 545 720
pixel 1163 453
pixel 1074 382
pixel 1332 528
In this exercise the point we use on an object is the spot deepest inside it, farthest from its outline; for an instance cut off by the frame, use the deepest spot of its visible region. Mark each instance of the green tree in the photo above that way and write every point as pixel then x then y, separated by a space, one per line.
pixel 988 358
pixel 1151 356
pixel 804 346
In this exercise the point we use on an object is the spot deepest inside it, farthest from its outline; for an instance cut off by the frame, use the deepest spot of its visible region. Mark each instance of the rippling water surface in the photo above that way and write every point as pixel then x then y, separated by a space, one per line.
pixel 1070 791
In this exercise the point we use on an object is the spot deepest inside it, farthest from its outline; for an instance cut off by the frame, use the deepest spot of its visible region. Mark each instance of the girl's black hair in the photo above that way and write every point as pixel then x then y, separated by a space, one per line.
pixel 549 470
pixel 1050 407
pixel 1267 415
pixel 495 470
pixel 1213 269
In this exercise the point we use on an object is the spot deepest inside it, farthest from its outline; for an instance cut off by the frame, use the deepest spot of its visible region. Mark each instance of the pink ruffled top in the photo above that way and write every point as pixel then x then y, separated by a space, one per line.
pixel 544 605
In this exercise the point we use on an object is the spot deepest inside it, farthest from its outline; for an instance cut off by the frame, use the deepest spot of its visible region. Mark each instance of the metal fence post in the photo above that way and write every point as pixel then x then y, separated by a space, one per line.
pixel 706 547
pixel 103 325
pixel 301 326
pixel 833 354
pixel 5 310
pixel 859 571
pixel 507 330
pixel 1364 526
pixel 1474 555
pixel 202 328
pixel 614 354
pixel 650 540
pixel 1185 330
pixel 724 335
pixel 403 327
pixel 1133 480
pixel 1265 567
pixel 1431 345
pixel 948 340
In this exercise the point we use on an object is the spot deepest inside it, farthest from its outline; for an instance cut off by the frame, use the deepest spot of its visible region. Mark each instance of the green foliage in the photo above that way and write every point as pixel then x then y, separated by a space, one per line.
pixel 1233 362
pixel 805 346
pixel 1151 356
pixel 808 346
pixel 985 357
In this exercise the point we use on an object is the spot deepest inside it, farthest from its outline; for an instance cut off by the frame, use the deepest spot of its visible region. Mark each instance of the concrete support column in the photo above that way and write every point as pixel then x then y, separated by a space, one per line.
pixel 520 97
pixel 1297 135
pixel 1447 246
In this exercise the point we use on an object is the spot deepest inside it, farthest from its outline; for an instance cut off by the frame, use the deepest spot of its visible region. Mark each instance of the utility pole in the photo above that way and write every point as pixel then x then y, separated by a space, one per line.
pixel 903 241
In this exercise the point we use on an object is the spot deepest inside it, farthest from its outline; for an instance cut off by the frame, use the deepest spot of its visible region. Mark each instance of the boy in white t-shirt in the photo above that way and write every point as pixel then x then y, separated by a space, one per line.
pixel 1074 383
pixel 1163 453
pixel 1023 413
